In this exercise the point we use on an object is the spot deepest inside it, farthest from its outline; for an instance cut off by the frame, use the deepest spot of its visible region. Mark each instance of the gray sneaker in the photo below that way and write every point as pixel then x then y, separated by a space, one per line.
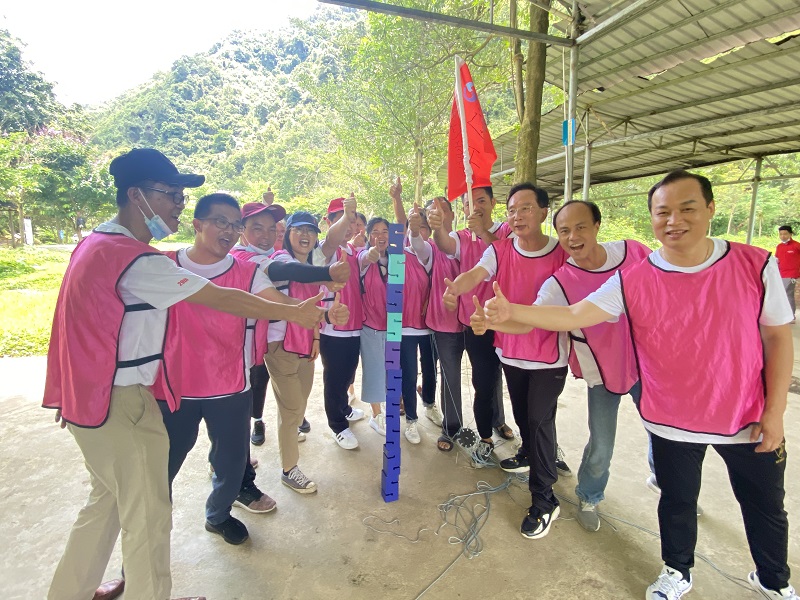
pixel 587 516
pixel 297 481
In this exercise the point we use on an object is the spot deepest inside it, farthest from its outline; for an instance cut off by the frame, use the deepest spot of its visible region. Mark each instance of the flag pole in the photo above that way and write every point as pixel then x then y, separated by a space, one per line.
pixel 459 96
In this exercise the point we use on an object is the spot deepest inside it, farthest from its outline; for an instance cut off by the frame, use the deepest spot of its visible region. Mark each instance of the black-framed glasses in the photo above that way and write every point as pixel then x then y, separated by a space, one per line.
pixel 177 198
pixel 223 223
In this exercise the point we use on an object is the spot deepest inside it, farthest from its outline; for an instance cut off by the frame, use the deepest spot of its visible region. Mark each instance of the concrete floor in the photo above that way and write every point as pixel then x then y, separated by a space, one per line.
pixel 326 545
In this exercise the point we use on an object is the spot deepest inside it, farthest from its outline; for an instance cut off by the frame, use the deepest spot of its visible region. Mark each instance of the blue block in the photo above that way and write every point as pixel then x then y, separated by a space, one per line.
pixel 396 229
pixel 391 465
pixel 390 490
pixel 394 298
pixel 396 244
pixel 391 356
pixel 392 423
pixel 391 449
pixel 393 399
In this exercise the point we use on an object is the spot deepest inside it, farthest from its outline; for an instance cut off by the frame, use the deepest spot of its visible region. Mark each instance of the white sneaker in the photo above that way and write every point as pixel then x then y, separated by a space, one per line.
pixel 301 437
pixel 670 585
pixel 378 423
pixel 652 483
pixel 432 412
pixel 355 415
pixel 412 435
pixel 786 593
pixel 346 439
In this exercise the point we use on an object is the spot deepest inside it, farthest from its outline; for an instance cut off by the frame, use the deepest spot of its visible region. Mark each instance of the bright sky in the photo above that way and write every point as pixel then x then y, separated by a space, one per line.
pixel 95 49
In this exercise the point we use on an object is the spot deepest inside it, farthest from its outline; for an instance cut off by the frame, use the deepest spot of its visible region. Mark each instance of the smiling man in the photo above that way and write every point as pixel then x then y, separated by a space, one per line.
pixel 535 363
pixel 108 347
pixel 601 355
pixel 709 323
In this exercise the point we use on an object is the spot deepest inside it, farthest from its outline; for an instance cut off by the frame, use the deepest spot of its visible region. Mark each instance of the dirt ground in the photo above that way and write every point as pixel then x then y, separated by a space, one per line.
pixel 345 542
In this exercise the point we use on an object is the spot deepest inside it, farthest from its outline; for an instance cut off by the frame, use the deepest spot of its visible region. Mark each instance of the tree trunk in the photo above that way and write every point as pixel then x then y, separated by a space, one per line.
pixel 528 137
pixel 730 218
pixel 21 222
pixel 516 64
pixel 11 228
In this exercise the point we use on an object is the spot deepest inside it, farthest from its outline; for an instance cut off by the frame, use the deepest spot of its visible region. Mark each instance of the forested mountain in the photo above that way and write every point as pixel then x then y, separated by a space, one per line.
pixel 344 101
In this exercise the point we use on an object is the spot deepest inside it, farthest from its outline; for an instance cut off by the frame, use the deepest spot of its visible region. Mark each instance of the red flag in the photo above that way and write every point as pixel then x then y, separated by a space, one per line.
pixel 479 143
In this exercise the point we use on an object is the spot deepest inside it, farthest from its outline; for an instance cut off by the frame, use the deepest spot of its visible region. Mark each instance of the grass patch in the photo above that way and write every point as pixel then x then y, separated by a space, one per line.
pixel 28 293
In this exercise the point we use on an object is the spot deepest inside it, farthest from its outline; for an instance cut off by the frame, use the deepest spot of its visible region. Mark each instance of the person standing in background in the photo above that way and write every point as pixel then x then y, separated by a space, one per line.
pixel 788 255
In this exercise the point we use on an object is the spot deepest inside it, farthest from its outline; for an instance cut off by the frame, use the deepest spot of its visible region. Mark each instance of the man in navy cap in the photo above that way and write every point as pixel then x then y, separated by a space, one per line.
pixel 108 347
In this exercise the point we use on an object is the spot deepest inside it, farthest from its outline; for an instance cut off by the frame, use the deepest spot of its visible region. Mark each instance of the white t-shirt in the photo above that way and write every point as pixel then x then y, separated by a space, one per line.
pixel 775 311
pixel 551 294
pixel 154 280
pixel 489 262
pixel 260 283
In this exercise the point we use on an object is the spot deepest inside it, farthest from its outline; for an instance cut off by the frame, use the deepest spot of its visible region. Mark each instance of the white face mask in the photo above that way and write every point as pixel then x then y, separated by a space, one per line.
pixel 158 229
pixel 257 250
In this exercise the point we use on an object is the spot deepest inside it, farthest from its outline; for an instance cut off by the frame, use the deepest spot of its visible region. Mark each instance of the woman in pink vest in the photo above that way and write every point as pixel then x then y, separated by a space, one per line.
pixel 710 327
pixel 340 344
pixel 292 352
pixel 374 265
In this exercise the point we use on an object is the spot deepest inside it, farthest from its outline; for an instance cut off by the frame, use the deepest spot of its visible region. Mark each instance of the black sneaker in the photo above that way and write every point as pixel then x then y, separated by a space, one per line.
pixel 232 530
pixel 561 465
pixel 516 464
pixel 257 437
pixel 305 426
pixel 536 525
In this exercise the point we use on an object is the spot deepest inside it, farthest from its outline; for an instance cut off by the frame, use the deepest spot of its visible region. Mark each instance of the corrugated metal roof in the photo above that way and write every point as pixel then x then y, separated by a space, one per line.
pixel 665 33
pixel 650 99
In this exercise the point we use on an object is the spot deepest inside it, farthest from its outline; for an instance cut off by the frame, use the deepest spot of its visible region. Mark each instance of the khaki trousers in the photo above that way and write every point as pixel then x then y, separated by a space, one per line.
pixel 127 462
pixel 292 377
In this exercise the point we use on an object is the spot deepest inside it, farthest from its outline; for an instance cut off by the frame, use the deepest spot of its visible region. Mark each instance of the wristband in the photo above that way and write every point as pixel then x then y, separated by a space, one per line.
pixel 327 318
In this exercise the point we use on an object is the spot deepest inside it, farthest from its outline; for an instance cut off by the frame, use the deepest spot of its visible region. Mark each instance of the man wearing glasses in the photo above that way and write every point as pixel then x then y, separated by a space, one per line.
pixel 108 347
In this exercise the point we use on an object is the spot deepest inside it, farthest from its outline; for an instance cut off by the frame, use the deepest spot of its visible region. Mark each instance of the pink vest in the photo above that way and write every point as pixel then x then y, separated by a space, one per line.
pixel 520 278
pixel 697 342
pixel 416 293
pixel 374 296
pixel 82 358
pixel 469 254
pixel 438 318
pixel 351 292
pixel 609 343
pixel 299 339
pixel 262 325
pixel 212 343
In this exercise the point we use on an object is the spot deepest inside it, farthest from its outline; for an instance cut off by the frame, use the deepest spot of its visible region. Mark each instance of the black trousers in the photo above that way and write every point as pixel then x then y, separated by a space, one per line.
pixel 408 365
pixel 450 348
pixel 534 397
pixel 757 482
pixel 259 379
pixel 486 381
pixel 339 363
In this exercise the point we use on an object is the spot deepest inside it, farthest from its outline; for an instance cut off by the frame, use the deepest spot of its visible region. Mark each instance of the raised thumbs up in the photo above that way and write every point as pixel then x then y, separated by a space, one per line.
pixel 338 313
pixel 497 309
pixel 478 319
pixel 450 297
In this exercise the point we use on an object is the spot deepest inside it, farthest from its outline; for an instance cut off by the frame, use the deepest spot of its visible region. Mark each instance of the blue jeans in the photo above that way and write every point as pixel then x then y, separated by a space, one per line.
pixel 596 463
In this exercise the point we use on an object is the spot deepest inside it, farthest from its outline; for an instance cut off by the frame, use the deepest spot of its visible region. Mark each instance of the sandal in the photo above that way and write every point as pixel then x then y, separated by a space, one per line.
pixel 505 432
pixel 444 443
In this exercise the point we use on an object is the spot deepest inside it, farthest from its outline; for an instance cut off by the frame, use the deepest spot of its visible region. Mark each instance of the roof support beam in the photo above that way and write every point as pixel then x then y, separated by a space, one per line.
pixel 432 17
pixel 619 19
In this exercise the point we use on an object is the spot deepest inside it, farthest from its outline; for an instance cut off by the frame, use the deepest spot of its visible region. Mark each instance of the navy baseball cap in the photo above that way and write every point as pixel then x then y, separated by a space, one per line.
pixel 302 218
pixel 147 163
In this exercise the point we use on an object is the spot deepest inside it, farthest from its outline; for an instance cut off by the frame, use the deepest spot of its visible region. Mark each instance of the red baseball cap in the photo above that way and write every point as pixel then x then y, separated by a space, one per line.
pixel 336 205
pixel 253 208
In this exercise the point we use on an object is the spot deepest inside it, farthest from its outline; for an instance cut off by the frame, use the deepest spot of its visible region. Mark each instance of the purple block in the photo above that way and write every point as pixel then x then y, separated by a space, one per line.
pixel 391 466
pixel 392 424
pixel 394 297
pixel 392 356
pixel 391 449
